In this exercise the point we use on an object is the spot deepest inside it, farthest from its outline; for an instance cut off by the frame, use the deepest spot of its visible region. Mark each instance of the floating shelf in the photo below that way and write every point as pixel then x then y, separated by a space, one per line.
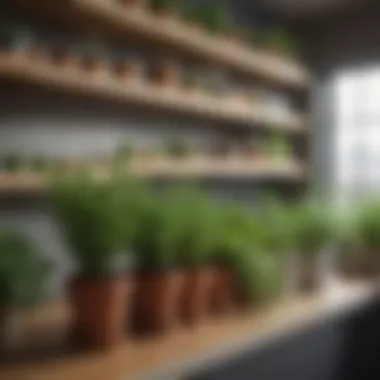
pixel 191 169
pixel 102 85
pixel 193 41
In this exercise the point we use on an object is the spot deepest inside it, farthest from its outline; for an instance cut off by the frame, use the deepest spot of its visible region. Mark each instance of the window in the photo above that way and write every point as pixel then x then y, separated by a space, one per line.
pixel 356 139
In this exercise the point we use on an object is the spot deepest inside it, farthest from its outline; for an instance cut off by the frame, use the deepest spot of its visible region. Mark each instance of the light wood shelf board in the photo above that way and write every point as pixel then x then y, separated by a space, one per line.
pixel 103 85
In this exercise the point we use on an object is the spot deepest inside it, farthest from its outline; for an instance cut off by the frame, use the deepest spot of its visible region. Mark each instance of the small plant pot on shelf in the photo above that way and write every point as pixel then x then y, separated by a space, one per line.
pixel 63 57
pixel 164 9
pixel 128 71
pixel 93 66
pixel 100 306
pixel 223 291
pixel 157 305
pixel 165 74
pixel 196 299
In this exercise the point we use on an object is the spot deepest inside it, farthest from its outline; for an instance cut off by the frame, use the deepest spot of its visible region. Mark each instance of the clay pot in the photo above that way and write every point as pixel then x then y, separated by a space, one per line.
pixel 63 57
pixel 223 291
pixel 196 298
pixel 100 306
pixel 165 74
pixel 92 65
pixel 157 301
pixel 127 70
pixel 37 52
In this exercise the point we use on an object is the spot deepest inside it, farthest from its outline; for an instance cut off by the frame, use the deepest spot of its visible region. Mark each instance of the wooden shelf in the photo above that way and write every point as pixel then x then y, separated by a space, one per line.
pixel 103 85
pixel 192 169
pixel 198 43
pixel 185 351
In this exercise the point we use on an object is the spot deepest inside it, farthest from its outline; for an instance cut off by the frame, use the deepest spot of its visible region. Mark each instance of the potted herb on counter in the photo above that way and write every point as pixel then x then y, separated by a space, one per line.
pixel 22 278
pixel 365 236
pixel 160 278
pixel 314 232
pixel 198 240
pixel 94 221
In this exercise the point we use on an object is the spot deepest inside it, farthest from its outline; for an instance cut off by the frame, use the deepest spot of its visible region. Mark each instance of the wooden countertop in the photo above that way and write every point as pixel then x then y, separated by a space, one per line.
pixel 188 349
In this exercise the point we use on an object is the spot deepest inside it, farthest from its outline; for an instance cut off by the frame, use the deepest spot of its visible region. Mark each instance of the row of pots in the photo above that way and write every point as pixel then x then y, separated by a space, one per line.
pixel 164 73
pixel 157 302
pixel 147 302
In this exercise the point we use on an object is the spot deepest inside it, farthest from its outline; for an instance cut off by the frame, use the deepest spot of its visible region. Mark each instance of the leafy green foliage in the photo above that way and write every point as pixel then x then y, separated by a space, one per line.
pixel 259 276
pixel 366 230
pixel 22 270
pixel 278 219
pixel 215 19
pixel 278 38
pixel 94 220
pixel 155 240
pixel 177 147
pixel 12 163
pixel 278 147
pixel 39 163
pixel 315 227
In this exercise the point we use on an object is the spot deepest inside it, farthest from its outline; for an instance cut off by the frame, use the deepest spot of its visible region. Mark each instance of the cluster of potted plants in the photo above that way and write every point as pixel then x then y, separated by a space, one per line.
pixel 157 260
pixel 217 20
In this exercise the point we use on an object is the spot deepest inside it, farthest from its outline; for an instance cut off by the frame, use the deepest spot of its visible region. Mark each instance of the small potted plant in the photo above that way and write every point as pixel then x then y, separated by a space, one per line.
pixel 177 148
pixel 279 150
pixel 94 57
pixel 313 233
pixel 167 9
pixel 22 278
pixel 254 150
pixel 12 163
pixel 93 219
pixel 160 278
pixel 234 233
pixel 64 56
pixel 39 164
pixel 199 237
pixel 192 83
pixel 128 70
pixel 365 238
pixel 217 20
pixel 259 277
pixel 165 73
pixel 277 42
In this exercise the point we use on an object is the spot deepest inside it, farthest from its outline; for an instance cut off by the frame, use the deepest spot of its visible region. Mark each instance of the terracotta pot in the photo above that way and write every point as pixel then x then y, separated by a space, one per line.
pixel 63 57
pixel 100 307
pixel 165 74
pixel 92 65
pixel 36 52
pixel 196 299
pixel 157 301
pixel 223 292
pixel 127 70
